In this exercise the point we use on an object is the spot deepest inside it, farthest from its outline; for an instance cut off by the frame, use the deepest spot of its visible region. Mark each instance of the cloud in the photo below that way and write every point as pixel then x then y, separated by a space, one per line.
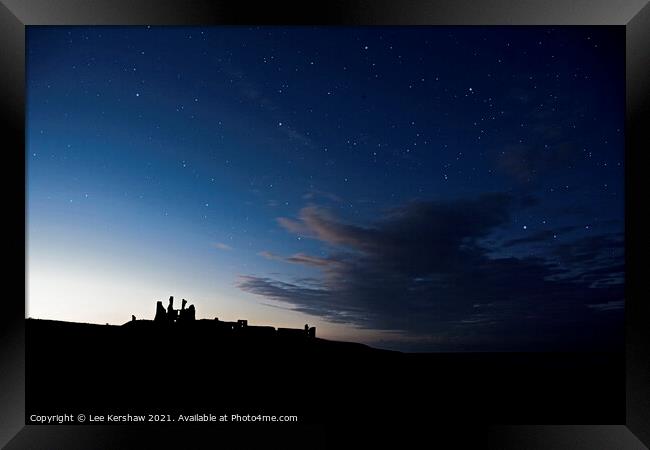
pixel 318 194
pixel 593 260
pixel 299 258
pixel 294 135
pixel 221 246
pixel 423 270
pixel 543 236
pixel 292 225
pixel 270 255
pixel 609 306
pixel 274 112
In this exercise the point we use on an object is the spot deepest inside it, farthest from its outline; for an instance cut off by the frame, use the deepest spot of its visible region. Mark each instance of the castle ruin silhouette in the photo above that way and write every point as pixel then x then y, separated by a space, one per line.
pixel 188 316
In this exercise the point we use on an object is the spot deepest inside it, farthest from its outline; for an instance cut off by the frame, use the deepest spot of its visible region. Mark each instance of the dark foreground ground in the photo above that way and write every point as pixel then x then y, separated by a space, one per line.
pixel 143 369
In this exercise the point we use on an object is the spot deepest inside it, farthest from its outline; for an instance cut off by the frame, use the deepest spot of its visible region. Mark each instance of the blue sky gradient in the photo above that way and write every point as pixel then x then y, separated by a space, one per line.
pixel 350 178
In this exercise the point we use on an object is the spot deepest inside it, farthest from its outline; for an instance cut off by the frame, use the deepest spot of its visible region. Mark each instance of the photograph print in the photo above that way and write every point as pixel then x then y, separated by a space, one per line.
pixel 325 224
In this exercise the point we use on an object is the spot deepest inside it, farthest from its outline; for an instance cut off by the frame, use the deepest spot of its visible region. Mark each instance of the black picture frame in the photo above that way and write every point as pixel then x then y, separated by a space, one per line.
pixel 634 15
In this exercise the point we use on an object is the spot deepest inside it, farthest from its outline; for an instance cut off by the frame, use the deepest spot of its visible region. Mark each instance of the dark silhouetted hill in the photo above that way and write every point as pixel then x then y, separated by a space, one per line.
pixel 145 367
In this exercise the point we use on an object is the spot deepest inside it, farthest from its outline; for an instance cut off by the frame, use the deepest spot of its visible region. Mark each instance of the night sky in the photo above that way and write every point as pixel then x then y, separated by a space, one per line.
pixel 423 188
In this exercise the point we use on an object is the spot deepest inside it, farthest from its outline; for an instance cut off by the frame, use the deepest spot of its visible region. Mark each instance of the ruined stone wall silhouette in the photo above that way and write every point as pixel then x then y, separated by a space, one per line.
pixel 240 327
